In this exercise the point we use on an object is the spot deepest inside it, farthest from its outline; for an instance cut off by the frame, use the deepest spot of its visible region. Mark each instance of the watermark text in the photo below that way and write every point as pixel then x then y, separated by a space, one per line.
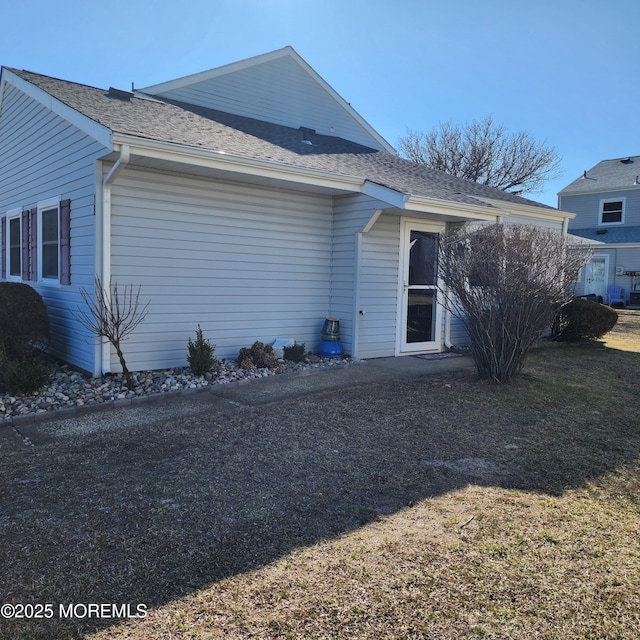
pixel 79 610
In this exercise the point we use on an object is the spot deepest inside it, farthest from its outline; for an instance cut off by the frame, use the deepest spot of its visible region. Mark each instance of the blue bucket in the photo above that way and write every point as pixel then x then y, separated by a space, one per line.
pixel 330 349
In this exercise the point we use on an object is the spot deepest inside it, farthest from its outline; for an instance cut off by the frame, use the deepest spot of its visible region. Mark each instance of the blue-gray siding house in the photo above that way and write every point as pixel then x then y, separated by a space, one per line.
pixel 251 199
pixel 606 204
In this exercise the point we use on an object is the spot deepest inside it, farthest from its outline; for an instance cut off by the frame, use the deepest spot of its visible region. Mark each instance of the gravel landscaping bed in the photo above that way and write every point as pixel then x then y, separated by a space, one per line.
pixel 69 388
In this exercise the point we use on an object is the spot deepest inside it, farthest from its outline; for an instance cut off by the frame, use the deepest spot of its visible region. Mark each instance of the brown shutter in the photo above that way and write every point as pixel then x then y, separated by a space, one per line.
pixel 24 241
pixel 65 242
pixel 4 247
pixel 33 245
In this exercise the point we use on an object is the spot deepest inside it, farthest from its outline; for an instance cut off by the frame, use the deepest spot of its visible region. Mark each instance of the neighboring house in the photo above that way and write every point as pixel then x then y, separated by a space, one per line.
pixel 250 199
pixel 606 201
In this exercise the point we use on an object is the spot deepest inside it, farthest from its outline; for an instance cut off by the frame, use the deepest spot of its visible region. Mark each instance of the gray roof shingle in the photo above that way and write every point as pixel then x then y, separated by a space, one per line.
pixel 608 175
pixel 162 120
pixel 610 235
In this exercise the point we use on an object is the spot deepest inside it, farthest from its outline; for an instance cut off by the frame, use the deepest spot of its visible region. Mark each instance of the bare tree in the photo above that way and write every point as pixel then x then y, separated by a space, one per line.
pixel 485 153
pixel 113 314
pixel 505 283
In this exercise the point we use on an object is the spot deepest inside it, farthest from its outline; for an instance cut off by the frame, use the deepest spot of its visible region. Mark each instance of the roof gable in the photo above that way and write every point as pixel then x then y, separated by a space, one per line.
pixel 40 94
pixel 608 175
pixel 158 127
pixel 277 87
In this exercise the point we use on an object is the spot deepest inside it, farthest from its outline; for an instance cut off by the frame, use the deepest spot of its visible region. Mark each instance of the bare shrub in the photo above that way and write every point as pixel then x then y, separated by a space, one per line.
pixel 505 283
pixel 112 313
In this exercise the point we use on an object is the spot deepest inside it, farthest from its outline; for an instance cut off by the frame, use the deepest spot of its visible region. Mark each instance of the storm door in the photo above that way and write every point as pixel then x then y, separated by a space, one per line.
pixel 420 313
pixel 596 275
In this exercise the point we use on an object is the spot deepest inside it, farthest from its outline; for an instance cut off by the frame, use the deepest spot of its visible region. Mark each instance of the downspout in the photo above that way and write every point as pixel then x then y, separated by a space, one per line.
pixel 105 267
pixel 447 329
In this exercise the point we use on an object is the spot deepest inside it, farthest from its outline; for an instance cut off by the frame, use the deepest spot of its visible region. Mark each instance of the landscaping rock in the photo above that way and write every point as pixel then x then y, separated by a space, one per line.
pixel 69 388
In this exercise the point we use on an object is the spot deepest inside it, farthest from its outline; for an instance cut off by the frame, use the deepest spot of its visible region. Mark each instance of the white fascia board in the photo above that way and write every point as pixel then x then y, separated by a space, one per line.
pixel 453 209
pixel 609 189
pixel 580 241
pixel 237 164
pixel 101 134
pixel 618 245
pixel 389 196
pixel 203 76
pixel 516 209
pixel 422 204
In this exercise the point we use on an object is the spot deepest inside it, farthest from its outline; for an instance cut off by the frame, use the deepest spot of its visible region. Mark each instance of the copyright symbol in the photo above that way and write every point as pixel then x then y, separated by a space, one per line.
pixel 7 610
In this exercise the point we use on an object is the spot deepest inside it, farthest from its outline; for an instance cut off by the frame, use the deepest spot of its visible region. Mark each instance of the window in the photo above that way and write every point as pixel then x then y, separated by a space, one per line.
pixel 36 243
pixel 15 247
pixel 50 245
pixel 53 248
pixel 12 240
pixel 612 211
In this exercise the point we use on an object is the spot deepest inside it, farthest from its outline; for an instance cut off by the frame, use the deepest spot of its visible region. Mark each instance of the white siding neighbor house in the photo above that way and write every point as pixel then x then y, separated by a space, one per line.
pixel 606 204
pixel 250 199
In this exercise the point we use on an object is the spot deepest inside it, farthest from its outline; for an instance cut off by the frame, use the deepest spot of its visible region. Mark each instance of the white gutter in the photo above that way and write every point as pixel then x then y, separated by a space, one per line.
pixel 229 162
pixel 519 209
pixel 105 267
pixel 447 328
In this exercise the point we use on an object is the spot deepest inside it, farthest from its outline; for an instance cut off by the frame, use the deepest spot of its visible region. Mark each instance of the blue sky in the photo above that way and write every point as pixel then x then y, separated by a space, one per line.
pixel 566 71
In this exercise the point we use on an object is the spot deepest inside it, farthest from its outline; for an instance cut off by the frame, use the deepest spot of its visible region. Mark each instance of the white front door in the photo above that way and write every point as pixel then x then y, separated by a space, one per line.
pixel 419 312
pixel 596 275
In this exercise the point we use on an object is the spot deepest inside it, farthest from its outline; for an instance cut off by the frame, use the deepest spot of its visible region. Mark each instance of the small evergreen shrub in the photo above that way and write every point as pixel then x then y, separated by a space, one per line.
pixel 583 320
pixel 200 356
pixel 260 356
pixel 24 322
pixel 25 375
pixel 295 352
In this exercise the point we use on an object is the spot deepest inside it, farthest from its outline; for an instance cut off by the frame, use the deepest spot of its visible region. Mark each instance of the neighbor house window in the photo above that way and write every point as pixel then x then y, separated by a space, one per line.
pixel 612 211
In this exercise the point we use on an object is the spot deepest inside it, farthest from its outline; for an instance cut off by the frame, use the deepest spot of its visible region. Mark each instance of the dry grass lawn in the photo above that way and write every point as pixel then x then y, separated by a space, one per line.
pixel 434 508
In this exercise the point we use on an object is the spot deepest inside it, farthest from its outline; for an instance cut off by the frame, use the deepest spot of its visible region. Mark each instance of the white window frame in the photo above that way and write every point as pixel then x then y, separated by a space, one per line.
pixel 12 215
pixel 46 205
pixel 604 201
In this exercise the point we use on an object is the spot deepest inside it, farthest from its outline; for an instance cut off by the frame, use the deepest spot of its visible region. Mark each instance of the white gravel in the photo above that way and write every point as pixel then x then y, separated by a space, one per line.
pixel 69 388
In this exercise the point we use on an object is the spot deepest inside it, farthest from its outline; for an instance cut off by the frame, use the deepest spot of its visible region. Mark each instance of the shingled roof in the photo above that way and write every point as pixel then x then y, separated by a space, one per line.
pixel 611 235
pixel 158 119
pixel 608 175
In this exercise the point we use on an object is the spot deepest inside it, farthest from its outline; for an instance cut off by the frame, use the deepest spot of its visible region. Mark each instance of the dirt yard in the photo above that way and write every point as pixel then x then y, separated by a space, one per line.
pixel 433 507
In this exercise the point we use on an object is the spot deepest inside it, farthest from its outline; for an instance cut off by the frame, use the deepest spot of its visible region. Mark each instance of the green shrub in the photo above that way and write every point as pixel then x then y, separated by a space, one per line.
pixel 24 322
pixel 200 357
pixel 295 352
pixel 260 356
pixel 583 319
pixel 25 375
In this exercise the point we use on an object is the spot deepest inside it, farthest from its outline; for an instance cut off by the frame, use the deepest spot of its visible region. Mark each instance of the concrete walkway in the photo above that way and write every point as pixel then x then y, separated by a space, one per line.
pixel 33 430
